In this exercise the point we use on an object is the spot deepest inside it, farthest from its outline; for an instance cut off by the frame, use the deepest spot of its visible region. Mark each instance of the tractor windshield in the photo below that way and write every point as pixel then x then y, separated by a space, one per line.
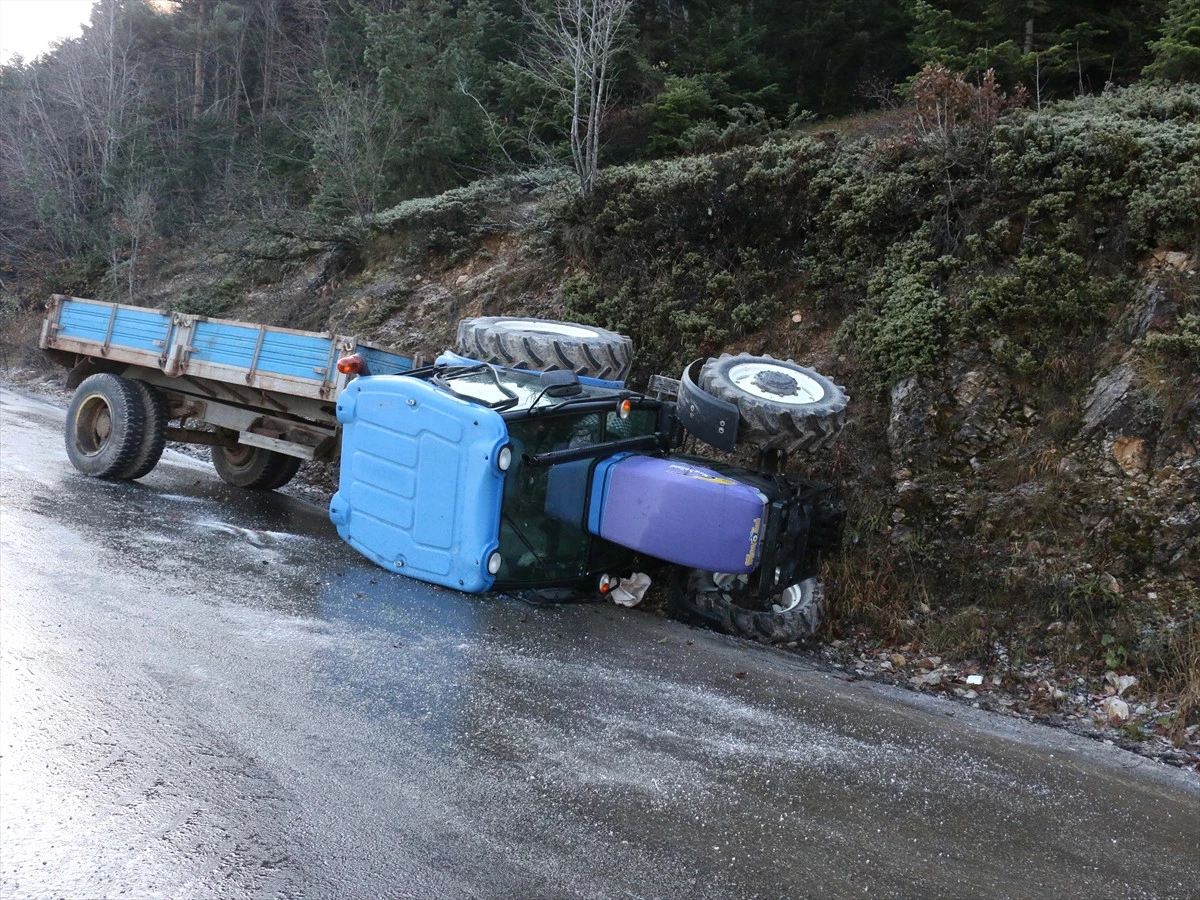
pixel 510 390
pixel 543 538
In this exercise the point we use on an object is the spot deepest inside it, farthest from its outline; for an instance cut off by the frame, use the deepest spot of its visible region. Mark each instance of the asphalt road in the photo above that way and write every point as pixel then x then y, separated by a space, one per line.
pixel 204 693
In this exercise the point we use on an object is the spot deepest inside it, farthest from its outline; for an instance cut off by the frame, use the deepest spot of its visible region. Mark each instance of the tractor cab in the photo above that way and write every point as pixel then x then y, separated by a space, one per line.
pixel 477 477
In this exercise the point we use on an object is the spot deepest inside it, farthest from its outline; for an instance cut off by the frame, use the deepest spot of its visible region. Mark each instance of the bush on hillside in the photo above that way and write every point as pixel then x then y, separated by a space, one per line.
pixel 1028 226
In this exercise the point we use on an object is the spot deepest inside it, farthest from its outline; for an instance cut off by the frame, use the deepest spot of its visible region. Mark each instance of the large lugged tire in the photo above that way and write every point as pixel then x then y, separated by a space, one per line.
pixel 253 467
pixel 783 406
pixel 154 431
pixel 104 426
pixel 795 614
pixel 543 345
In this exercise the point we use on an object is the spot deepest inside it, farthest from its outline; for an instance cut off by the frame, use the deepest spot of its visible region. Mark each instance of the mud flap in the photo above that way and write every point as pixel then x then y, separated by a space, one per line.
pixel 713 421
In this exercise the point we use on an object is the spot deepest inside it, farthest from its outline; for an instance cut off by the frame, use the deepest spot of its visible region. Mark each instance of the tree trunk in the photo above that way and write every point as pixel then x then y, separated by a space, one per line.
pixel 198 61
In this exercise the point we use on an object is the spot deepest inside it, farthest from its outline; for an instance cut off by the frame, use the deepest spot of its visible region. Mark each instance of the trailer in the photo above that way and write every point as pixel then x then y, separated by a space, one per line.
pixel 263 398
pixel 519 461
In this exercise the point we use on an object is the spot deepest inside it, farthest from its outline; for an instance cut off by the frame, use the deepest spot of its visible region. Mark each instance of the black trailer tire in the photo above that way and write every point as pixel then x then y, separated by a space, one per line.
pixel 253 468
pixel 782 406
pixel 795 614
pixel 155 413
pixel 286 469
pixel 544 345
pixel 104 426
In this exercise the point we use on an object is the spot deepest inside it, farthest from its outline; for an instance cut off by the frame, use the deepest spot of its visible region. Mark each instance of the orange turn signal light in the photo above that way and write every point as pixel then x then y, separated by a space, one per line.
pixel 350 365
pixel 624 407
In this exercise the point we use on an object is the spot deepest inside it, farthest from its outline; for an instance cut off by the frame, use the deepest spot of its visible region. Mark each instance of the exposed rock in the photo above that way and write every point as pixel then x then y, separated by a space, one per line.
pixel 1157 313
pixel 1131 454
pixel 1178 260
pixel 1116 710
pixel 981 396
pixel 912 426
pixel 1107 404
pixel 932 679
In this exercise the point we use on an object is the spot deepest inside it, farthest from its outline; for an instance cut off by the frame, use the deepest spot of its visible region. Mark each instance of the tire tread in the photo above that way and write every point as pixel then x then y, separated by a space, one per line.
pixel 117 457
pixel 607 355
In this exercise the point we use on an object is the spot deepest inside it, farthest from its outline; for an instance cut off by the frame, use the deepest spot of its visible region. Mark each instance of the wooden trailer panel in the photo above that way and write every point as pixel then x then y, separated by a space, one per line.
pixel 269 358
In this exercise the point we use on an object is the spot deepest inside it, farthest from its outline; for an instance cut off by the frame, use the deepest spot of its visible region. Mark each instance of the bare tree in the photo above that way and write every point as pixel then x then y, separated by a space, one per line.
pixel 355 135
pixel 575 43
pixel 135 220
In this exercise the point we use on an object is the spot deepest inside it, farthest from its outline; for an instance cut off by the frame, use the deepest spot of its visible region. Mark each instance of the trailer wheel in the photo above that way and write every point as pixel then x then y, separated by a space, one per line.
pixel 155 413
pixel 104 426
pixel 543 345
pixel 783 406
pixel 795 613
pixel 286 470
pixel 253 467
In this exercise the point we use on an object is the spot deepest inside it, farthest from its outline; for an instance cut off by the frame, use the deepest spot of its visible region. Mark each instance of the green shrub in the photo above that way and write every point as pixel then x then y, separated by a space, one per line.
pixel 80 276
pixel 1184 344
pixel 1019 224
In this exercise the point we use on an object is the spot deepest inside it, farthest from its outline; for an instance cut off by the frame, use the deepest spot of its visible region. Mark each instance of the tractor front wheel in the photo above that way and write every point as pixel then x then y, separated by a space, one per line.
pixel 712 598
pixel 782 406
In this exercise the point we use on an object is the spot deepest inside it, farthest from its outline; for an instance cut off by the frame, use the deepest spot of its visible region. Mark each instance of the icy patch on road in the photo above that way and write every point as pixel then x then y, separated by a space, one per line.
pixel 255 538
pixel 660 740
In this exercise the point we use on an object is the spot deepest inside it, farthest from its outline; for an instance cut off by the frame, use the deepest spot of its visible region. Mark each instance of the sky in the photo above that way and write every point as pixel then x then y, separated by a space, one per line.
pixel 28 26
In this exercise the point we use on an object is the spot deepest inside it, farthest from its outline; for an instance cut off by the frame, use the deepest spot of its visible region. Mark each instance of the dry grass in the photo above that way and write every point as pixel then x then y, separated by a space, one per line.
pixel 877 587
pixel 19 333
pixel 1169 656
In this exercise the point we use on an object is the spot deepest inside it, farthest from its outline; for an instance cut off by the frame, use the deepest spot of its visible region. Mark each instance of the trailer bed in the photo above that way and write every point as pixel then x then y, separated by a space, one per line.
pixel 263 357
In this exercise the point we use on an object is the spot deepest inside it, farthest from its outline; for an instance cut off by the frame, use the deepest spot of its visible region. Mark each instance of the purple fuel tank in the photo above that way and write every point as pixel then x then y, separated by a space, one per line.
pixel 683 513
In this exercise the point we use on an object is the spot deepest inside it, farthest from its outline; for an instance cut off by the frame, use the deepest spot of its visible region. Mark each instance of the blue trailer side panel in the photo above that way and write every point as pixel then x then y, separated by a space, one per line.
pixel 281 360
pixel 290 353
pixel 381 362
pixel 131 326
pixel 407 446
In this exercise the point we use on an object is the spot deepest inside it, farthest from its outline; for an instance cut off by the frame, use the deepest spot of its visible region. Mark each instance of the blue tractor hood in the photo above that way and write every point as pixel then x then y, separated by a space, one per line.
pixel 419 491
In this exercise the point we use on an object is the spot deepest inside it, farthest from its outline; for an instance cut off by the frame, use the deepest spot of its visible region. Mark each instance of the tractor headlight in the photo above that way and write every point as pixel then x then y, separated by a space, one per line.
pixel 494 562
pixel 504 458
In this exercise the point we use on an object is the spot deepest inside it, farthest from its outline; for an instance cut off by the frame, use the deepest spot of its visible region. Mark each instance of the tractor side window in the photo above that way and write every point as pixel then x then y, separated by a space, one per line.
pixel 638 423
pixel 541 538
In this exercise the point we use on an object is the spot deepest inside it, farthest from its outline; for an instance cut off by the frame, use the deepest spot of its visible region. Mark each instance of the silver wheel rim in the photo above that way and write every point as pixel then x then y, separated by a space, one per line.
pixel 93 425
pixel 794 388
pixel 238 456
pixel 789 599
pixel 562 329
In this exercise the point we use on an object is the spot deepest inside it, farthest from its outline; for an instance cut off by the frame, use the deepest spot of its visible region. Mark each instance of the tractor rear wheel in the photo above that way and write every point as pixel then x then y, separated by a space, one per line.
pixel 543 345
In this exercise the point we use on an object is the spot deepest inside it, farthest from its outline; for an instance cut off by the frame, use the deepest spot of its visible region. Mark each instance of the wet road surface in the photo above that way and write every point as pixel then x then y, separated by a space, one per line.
pixel 204 693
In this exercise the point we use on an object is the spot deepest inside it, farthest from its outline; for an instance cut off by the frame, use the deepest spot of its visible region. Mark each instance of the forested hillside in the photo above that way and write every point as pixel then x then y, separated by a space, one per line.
pixel 168 114
pixel 982 217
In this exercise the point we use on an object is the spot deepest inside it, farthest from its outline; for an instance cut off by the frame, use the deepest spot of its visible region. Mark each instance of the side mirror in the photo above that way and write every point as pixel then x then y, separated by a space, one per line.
pixel 561 383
